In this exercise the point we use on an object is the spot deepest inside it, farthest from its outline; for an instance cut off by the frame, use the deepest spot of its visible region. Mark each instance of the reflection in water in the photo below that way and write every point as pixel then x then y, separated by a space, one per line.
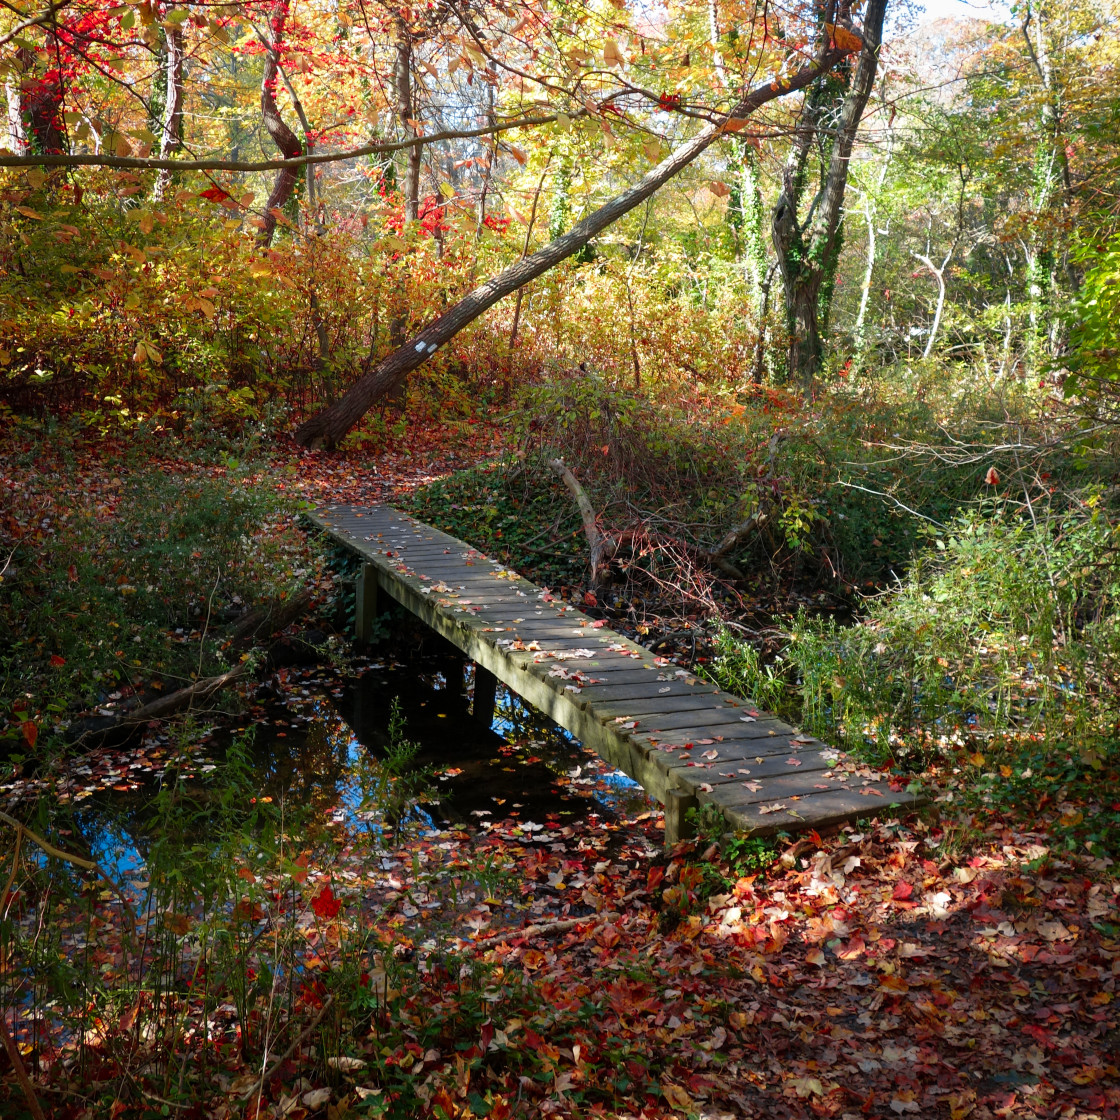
pixel 318 735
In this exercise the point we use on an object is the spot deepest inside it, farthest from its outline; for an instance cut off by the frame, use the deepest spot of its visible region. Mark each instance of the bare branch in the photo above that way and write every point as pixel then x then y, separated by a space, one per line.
pixel 137 163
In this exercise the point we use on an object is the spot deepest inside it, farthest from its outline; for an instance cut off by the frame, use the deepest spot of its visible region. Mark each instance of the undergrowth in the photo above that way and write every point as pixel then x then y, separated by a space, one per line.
pixel 131 583
pixel 835 492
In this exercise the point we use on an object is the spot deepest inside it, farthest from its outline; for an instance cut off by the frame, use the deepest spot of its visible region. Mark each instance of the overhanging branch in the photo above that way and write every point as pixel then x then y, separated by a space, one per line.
pixel 145 163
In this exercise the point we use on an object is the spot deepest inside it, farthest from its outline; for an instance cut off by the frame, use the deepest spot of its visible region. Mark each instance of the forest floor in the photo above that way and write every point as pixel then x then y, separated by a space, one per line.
pixel 958 962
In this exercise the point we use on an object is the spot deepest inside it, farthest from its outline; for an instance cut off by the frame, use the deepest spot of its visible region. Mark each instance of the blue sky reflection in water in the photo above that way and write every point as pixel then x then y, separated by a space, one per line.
pixel 317 733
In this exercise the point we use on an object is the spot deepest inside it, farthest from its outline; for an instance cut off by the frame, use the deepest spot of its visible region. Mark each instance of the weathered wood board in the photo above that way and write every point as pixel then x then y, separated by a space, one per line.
pixel 681 738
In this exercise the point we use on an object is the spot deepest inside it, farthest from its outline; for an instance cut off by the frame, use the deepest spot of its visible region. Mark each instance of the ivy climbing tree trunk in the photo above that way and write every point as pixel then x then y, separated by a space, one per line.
pixel 808 247
pixel 282 136
pixel 171 131
pixel 328 427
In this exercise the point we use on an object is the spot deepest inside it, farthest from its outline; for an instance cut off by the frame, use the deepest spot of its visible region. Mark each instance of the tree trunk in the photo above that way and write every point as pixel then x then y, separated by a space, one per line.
pixel 328 427
pixel 171 135
pixel 808 250
pixel 802 308
pixel 282 136
pixel 42 101
pixel 17 134
pixel 406 113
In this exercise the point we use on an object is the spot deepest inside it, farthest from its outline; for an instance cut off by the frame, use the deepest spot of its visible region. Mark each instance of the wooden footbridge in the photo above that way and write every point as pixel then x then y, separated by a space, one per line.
pixel 681 738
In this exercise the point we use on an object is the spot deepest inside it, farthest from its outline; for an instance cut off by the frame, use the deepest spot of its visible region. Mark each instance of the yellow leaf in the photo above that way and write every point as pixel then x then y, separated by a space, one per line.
pixel 447 190
pixel 27 212
pixel 612 56
pixel 394 243
pixel 143 133
pixel 36 178
pixel 563 122
pixel 677 1097
pixel 260 269
pixel 69 268
pixel 652 149
pixel 207 308
pixel 808 1086
pixel 121 147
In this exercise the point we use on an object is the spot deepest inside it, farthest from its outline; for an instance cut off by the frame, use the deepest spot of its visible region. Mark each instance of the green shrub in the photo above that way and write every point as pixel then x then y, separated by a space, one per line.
pixel 738 668
pixel 999 627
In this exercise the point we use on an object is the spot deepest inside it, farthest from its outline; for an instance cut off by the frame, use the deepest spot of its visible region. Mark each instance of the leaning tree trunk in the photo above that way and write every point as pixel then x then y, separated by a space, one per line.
pixel 808 249
pixel 282 136
pixel 328 427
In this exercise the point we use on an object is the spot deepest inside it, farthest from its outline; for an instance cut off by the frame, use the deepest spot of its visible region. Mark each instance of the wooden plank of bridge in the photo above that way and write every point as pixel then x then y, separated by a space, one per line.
pixel 685 741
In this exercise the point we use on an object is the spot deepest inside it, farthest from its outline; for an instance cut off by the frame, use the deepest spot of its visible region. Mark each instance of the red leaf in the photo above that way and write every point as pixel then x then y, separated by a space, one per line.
pixel 214 194
pixel 325 904
pixel 30 732
pixel 902 891
pixel 56 661
pixel 992 477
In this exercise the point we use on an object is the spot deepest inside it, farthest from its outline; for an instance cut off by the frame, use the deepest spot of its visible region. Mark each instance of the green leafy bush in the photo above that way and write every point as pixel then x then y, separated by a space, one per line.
pixel 999 627
pixel 1094 344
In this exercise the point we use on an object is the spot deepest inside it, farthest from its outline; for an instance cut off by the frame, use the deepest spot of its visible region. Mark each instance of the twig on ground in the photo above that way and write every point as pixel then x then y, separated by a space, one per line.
pixel 268 1074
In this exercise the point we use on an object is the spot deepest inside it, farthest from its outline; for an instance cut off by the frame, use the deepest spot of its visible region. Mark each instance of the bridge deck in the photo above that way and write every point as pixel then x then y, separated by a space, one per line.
pixel 685 741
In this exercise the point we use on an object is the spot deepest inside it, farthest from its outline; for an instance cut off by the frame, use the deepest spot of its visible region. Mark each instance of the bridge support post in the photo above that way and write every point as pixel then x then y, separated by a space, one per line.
pixel 485 690
pixel 677 827
pixel 365 603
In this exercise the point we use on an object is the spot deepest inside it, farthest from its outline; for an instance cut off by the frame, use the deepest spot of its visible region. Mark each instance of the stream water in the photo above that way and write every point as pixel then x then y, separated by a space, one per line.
pixel 314 731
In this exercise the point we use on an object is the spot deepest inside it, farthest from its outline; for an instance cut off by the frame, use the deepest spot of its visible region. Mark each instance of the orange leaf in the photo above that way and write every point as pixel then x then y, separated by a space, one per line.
pixel 844 39
pixel 30 732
